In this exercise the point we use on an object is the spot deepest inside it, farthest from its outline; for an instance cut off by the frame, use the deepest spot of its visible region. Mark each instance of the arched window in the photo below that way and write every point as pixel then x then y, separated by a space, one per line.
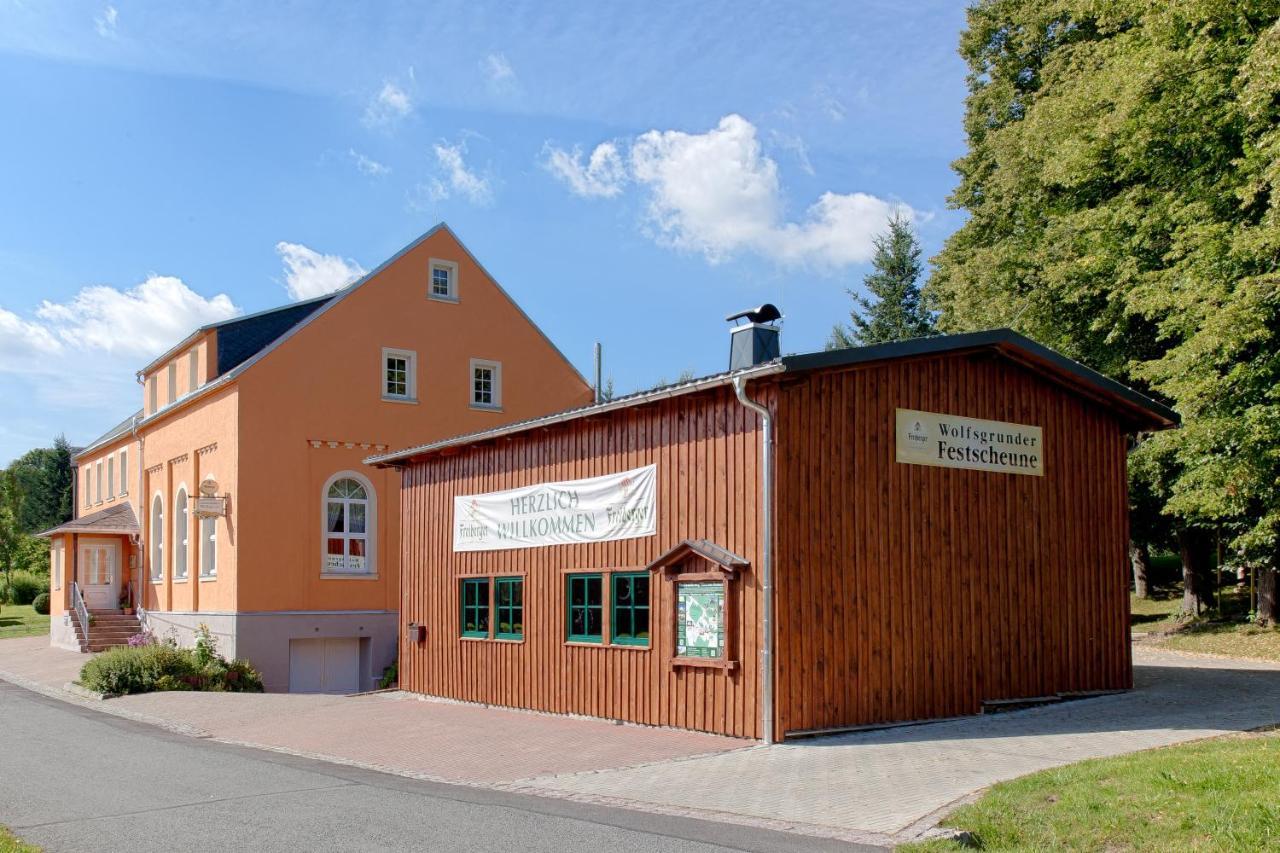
pixel 180 521
pixel 350 522
pixel 157 537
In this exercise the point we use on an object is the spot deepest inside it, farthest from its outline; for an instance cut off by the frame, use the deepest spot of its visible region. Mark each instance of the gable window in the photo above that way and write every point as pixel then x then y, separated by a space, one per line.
pixel 173 381
pixel 486 384
pixel 157 537
pixel 444 280
pixel 399 374
pixel 124 471
pixel 629 618
pixel 180 520
pixel 349 516
pixel 586 608
pixel 475 607
pixel 509 595
pixel 152 402
pixel 193 371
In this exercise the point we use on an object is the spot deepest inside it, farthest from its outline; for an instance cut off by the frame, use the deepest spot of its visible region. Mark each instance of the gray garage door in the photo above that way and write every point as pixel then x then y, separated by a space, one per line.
pixel 324 665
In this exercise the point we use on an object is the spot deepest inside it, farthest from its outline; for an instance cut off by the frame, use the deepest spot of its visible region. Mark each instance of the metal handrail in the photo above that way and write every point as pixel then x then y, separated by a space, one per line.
pixel 77 600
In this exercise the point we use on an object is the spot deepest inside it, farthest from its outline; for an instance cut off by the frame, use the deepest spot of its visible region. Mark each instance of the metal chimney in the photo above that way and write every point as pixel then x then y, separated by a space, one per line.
pixel 755 341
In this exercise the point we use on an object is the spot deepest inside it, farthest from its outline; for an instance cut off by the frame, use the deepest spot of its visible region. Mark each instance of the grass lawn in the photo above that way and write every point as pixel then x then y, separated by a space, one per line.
pixel 21 620
pixel 1220 794
pixel 10 844
pixel 1226 633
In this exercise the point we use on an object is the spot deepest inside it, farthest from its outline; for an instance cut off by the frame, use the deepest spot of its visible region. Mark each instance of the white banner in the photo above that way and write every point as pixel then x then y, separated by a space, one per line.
pixel 598 509
pixel 950 441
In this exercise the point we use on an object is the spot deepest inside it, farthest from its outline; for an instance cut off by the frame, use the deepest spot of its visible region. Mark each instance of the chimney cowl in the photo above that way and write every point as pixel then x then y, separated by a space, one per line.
pixel 756 341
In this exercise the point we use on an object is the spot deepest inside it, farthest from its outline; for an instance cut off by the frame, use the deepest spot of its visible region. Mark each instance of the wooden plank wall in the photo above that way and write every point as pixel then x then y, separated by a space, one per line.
pixel 909 592
pixel 707 450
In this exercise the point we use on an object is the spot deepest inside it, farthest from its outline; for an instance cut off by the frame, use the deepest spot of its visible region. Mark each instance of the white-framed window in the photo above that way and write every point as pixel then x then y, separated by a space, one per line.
pixel 152 395
pixel 209 547
pixel 399 374
pixel 443 283
pixel 157 537
pixel 350 516
pixel 181 520
pixel 88 480
pixel 111 477
pixel 97 476
pixel 173 381
pixel 124 471
pixel 193 371
pixel 486 384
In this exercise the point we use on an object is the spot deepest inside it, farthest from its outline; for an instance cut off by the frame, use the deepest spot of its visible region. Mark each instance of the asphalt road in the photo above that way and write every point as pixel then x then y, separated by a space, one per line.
pixel 75 779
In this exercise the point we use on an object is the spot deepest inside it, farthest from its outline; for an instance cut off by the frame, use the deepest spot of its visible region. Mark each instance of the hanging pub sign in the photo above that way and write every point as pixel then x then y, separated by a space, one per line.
pixel 700 620
pixel 948 441
pixel 597 509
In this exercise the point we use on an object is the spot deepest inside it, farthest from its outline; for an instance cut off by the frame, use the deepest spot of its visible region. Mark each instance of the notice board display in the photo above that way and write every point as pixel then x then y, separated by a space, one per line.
pixel 700 620
pixel 950 441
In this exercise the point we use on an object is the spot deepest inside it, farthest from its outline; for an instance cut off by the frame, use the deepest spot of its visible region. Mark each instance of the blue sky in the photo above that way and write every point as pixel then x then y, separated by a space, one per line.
pixel 630 173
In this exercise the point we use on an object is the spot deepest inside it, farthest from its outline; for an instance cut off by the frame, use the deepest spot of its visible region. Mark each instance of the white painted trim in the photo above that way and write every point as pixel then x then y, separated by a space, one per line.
pixel 181 546
pixel 452 267
pixel 155 530
pixel 496 367
pixel 371 524
pixel 411 374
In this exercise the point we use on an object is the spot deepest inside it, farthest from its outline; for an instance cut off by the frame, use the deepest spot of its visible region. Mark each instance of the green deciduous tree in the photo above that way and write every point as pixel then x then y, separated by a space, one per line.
pixel 1122 178
pixel 893 309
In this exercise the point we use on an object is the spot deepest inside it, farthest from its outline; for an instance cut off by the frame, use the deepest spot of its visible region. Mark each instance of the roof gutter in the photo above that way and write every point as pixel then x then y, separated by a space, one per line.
pixel 766 560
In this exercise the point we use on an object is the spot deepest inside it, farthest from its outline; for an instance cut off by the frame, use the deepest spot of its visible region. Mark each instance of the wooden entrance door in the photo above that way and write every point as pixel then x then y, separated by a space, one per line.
pixel 99 573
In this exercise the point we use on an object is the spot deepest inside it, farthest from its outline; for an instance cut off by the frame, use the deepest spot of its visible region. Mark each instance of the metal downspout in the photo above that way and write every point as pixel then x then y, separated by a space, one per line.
pixel 766 562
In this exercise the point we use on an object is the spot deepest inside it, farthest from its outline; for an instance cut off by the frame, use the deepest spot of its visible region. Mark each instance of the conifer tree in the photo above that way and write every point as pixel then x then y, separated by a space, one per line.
pixel 892 308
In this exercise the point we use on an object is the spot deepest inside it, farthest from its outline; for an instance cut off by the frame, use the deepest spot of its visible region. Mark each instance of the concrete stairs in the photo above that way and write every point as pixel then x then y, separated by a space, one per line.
pixel 108 629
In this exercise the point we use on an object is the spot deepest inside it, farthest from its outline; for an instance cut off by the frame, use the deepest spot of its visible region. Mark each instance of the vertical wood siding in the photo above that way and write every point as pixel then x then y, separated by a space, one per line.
pixel 706 448
pixel 910 592
pixel 902 592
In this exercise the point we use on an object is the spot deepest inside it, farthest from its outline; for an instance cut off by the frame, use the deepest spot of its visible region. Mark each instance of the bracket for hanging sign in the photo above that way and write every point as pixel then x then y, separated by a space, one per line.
pixel 208 506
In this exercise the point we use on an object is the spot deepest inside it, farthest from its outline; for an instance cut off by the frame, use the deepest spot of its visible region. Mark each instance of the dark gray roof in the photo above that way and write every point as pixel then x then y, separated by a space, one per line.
pixel 110 435
pixel 241 338
pixel 1138 410
pixel 113 519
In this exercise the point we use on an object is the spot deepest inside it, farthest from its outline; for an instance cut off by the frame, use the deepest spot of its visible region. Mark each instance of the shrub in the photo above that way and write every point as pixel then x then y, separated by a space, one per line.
pixel 41 604
pixel 25 586
pixel 390 675
pixel 142 638
pixel 149 666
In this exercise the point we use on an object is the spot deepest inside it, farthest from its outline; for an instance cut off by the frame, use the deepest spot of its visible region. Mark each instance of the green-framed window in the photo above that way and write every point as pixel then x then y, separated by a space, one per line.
pixel 475 607
pixel 586 608
pixel 509 602
pixel 629 618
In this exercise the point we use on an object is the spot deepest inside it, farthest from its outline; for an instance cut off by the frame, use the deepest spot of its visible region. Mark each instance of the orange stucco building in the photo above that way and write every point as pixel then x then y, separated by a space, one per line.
pixel 236 497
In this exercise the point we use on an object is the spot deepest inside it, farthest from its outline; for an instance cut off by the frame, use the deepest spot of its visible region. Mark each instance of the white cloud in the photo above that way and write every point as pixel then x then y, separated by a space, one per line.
pixel 718 194
pixel 309 274
pixel 107 23
pixel 143 321
pixel 388 106
pixel 456 177
pixel 601 176
pixel 367 165
pixel 501 76
pixel 796 146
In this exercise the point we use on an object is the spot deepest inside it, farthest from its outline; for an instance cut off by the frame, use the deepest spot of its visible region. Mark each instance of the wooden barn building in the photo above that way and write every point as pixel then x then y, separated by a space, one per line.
pixel 803 543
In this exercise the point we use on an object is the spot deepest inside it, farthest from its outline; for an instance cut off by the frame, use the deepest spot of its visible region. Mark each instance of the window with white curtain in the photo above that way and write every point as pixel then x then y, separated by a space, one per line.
pixel 157 537
pixel 349 521
pixel 180 525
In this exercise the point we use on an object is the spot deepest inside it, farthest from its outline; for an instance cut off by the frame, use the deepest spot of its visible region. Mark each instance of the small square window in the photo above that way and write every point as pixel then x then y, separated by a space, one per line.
pixel 443 284
pixel 399 374
pixel 486 384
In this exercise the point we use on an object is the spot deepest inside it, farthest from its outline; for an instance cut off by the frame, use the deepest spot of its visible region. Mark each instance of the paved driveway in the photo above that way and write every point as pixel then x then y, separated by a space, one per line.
pixel 874 787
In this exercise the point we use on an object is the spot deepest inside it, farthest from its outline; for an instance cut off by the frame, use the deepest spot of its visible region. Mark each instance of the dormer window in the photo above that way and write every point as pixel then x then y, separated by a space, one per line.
pixel 444 281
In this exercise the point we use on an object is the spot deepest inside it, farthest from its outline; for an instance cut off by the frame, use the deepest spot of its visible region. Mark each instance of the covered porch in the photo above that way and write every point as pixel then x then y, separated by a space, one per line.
pixel 93 584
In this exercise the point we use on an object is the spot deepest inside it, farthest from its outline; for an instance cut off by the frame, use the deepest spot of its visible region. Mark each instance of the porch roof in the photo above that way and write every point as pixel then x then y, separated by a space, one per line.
pixel 114 519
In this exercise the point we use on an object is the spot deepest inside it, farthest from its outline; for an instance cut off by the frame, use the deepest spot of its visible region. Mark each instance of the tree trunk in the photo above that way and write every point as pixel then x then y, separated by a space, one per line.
pixel 1268 607
pixel 1196 548
pixel 1139 559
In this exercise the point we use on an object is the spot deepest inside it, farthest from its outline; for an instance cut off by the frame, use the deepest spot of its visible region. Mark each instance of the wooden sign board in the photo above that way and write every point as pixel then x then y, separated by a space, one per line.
pixel 949 441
